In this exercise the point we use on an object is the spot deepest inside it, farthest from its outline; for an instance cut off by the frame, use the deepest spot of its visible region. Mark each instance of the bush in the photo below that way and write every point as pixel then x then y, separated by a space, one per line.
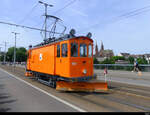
pixel 95 61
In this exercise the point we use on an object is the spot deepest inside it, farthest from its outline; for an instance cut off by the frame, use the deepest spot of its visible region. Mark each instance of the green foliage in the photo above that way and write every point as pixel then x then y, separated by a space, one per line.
pixel 108 61
pixel 1 57
pixel 95 61
pixel 116 58
pixel 131 60
pixel 142 61
pixel 112 60
pixel 20 54
pixel 10 54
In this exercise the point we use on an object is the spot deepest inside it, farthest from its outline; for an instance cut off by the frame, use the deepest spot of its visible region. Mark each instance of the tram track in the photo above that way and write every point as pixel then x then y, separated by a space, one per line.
pixel 112 103
pixel 119 98
pixel 125 101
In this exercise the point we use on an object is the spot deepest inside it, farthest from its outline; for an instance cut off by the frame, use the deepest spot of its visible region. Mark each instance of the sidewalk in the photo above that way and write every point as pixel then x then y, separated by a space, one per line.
pixel 125 77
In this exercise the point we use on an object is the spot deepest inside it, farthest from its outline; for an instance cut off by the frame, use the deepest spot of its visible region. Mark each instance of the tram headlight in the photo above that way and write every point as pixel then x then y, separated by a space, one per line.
pixel 85 71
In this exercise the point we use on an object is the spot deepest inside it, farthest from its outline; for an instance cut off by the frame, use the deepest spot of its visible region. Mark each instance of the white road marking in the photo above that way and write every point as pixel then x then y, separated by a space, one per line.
pixel 58 99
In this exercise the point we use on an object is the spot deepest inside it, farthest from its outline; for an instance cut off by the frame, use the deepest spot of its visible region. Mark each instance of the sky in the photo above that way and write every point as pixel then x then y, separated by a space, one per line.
pixel 100 17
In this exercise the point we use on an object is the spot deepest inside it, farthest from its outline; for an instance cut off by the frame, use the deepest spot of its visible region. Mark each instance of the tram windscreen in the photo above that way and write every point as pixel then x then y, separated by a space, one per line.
pixel 74 49
pixel 90 51
pixel 83 50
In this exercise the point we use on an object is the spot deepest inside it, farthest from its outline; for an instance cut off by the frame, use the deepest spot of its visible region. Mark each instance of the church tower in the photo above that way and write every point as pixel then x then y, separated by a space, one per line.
pixel 102 46
pixel 102 49
pixel 96 49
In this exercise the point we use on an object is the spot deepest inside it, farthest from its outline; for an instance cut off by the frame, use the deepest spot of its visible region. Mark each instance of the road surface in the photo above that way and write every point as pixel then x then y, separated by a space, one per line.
pixel 34 96
pixel 17 96
pixel 126 77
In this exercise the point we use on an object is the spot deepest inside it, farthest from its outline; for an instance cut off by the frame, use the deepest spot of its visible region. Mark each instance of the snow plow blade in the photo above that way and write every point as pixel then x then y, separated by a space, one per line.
pixel 81 86
pixel 28 74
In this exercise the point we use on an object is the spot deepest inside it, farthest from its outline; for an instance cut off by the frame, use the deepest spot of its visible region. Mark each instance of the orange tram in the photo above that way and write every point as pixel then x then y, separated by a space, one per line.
pixel 65 63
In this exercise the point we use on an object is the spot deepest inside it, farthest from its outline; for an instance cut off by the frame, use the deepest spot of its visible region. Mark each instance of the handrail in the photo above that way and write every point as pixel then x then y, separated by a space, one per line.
pixel 131 65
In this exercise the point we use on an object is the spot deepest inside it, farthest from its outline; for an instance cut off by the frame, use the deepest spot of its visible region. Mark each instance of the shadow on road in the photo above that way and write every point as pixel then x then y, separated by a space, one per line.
pixel 4 100
pixel 4 109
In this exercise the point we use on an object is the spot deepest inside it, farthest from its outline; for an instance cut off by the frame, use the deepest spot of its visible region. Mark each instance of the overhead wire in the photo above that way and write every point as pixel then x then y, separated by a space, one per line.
pixel 137 13
pixel 124 16
pixel 61 24
pixel 28 14
pixel 67 5
pixel 37 24
pixel 131 15
pixel 33 28
pixel 134 11
pixel 61 9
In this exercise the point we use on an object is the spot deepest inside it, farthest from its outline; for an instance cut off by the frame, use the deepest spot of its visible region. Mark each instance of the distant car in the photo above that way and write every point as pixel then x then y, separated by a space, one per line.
pixel 10 63
pixel 3 63
pixel 23 63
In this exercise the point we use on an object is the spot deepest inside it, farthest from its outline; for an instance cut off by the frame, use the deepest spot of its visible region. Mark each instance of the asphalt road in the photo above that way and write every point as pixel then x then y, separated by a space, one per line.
pixel 17 96
pixel 32 96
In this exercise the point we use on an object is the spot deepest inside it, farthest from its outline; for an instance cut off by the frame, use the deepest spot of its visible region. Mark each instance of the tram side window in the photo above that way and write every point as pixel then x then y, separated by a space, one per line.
pixel 83 50
pixel 64 50
pixel 58 50
pixel 74 49
pixel 90 51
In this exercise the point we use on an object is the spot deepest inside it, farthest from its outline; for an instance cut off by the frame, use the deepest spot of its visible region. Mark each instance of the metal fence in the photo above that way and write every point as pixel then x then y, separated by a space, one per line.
pixel 124 67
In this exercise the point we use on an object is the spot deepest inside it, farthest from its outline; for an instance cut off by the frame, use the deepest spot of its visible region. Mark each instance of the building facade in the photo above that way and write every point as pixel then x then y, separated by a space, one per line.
pixel 102 53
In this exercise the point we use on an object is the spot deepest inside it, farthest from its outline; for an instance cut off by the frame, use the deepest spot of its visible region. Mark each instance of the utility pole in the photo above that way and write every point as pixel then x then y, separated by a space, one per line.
pixel 15 48
pixel 46 16
pixel 0 51
pixel 5 52
pixel 0 54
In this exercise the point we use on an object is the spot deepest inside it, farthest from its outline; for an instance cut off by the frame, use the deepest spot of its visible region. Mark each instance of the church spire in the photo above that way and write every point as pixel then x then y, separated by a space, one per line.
pixel 96 49
pixel 102 46
pixel 102 50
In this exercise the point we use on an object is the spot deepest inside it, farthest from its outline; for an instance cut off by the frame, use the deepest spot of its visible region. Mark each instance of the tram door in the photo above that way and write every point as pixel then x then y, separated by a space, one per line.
pixel 62 60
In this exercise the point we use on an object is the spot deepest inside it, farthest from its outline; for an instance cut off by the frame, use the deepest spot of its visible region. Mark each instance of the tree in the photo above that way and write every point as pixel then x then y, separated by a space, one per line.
pixel 139 60
pixel 116 58
pixel 142 61
pixel 20 54
pixel 1 57
pixel 10 54
pixel 131 60
pixel 96 61
pixel 108 61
